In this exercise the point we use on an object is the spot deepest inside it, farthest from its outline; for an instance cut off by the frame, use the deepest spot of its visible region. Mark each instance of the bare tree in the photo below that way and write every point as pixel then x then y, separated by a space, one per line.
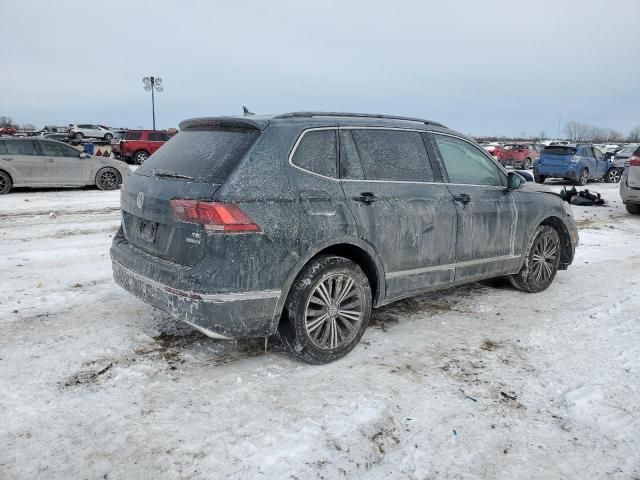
pixel 634 135
pixel 7 122
pixel 576 131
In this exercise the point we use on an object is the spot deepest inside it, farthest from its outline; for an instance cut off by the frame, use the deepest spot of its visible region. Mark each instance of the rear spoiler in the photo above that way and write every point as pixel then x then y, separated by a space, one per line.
pixel 251 123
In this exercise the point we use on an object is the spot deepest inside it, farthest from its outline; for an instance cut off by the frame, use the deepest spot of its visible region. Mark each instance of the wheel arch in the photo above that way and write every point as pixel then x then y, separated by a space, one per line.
pixel 5 170
pixel 566 248
pixel 352 248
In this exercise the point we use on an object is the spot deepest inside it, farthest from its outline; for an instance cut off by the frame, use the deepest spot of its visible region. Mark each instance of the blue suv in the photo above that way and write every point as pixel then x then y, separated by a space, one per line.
pixel 577 163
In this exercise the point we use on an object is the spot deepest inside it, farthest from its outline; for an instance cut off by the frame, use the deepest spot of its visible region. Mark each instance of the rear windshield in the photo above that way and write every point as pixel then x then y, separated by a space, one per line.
pixel 202 154
pixel 559 150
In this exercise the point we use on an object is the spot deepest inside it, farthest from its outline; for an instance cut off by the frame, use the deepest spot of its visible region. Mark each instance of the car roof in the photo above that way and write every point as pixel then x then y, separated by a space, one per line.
pixel 315 119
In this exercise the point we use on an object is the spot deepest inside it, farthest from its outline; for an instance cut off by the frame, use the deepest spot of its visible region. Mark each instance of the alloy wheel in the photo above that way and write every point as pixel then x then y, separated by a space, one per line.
pixel 614 176
pixel 544 259
pixel 334 311
pixel 109 179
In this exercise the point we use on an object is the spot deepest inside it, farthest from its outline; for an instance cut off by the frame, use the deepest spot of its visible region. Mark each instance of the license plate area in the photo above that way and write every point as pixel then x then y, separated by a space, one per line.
pixel 147 231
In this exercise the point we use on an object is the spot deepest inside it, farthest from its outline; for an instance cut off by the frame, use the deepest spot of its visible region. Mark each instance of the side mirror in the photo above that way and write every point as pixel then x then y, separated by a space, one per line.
pixel 514 181
pixel 84 155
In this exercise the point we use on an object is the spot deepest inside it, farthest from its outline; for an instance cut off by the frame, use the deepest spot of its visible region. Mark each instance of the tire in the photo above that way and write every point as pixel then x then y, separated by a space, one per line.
pixel 313 297
pixel 633 208
pixel 108 137
pixel 5 183
pixel 583 178
pixel 612 176
pixel 539 178
pixel 108 178
pixel 538 273
pixel 526 165
pixel 140 156
pixel 78 135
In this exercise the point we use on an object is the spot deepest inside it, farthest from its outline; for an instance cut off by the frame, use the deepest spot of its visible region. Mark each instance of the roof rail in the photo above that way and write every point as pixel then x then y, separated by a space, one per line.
pixel 357 115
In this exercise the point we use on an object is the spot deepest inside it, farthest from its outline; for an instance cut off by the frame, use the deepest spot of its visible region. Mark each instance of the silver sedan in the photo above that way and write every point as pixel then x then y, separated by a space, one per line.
pixel 33 162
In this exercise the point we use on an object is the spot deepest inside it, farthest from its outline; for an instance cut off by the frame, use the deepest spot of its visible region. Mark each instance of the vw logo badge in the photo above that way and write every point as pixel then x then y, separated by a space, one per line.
pixel 140 200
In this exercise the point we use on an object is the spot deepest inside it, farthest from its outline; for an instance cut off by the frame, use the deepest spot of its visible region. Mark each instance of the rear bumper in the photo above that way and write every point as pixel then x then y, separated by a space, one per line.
pixel 561 171
pixel 218 315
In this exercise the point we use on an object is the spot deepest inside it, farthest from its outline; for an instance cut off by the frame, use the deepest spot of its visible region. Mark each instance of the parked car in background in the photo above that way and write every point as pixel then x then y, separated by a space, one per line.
pixel 620 156
pixel 115 142
pixel 576 163
pixel 300 224
pixel 137 145
pixel 518 155
pixel 86 130
pixel 40 162
pixel 7 131
pixel 55 136
pixel 630 183
pixel 492 149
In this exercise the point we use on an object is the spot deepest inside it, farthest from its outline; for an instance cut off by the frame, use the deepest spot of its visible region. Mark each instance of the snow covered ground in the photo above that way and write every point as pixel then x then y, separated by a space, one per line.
pixel 476 382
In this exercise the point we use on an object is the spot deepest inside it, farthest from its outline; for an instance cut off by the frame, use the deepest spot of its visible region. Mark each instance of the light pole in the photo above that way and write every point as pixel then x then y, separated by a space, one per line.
pixel 155 85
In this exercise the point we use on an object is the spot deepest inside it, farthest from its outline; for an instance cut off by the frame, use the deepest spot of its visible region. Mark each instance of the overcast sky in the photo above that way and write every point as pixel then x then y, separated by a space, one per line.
pixel 481 67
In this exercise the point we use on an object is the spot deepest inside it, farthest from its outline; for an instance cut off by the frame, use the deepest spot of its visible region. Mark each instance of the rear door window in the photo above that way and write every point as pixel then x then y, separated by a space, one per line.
pixel 317 152
pixel 201 154
pixel 393 155
pixel 158 137
pixel 133 135
pixel 21 148
pixel 559 150
pixel 467 164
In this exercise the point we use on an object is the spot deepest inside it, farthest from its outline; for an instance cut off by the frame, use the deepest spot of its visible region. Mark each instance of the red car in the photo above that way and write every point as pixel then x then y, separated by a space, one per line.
pixel 7 131
pixel 518 155
pixel 137 145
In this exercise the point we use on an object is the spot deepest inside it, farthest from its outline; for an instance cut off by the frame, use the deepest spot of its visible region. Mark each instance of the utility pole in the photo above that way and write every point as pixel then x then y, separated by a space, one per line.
pixel 155 85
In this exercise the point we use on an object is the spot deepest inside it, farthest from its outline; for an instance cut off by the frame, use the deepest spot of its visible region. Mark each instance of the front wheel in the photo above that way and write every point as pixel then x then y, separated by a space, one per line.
pixel 108 137
pixel 541 263
pixel 583 178
pixel 526 165
pixel 5 183
pixel 327 310
pixel 78 136
pixel 633 208
pixel 539 178
pixel 108 178
pixel 612 176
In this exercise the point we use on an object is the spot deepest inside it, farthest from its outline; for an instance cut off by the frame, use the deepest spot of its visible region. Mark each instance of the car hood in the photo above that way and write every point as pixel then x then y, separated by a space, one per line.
pixel 537 188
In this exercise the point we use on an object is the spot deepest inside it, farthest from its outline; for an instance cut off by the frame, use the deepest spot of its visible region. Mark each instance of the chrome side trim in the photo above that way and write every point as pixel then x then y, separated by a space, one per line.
pixel 449 266
pixel 203 297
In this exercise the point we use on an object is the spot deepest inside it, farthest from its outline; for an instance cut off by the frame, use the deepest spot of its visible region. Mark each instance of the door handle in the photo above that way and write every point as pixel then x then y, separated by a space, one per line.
pixel 366 197
pixel 8 159
pixel 463 198
pixel 50 160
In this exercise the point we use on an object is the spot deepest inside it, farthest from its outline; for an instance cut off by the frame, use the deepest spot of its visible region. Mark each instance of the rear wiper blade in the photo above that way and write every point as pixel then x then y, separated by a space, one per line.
pixel 168 174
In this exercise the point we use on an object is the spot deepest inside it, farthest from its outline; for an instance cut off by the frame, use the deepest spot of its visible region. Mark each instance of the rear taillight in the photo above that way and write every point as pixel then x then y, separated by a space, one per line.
pixel 633 161
pixel 213 216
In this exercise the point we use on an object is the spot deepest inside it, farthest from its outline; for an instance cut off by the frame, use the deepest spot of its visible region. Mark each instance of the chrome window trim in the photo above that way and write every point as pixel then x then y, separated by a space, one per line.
pixel 449 266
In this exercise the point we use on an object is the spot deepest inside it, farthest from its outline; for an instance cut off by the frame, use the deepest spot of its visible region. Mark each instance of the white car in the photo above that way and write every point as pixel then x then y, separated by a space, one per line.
pixel 88 130
pixel 630 183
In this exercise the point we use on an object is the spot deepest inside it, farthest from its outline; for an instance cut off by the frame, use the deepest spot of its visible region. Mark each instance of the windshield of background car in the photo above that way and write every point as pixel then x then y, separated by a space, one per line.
pixel 559 150
pixel 205 155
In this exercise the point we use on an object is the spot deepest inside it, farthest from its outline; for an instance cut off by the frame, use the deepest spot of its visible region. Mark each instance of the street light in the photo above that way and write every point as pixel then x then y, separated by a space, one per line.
pixel 155 85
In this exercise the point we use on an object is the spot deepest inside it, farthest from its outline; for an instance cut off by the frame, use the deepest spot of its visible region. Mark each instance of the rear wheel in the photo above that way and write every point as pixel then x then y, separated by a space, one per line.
pixel 5 183
pixel 612 176
pixel 108 178
pixel 327 310
pixel 526 165
pixel 633 208
pixel 541 263
pixel 140 156
pixel 583 178
pixel 539 178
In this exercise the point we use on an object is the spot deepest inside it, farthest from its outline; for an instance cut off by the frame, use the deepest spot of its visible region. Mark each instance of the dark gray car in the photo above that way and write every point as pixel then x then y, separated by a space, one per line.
pixel 300 224
pixel 39 162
